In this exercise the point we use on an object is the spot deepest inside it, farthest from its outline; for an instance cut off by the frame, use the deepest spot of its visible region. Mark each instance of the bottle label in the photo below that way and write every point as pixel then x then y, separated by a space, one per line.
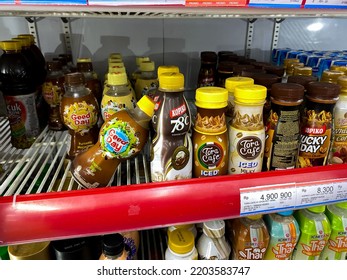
pixel 254 249
pixel 210 154
pixel 315 139
pixel 80 116
pixel 246 150
pixel 119 139
pixel 339 145
pixel 22 115
pixel 282 140
pixel 51 93
pixel 112 104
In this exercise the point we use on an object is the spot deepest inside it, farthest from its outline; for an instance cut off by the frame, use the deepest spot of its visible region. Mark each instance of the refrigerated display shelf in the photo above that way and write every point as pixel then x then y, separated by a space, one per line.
pixel 39 200
pixel 79 11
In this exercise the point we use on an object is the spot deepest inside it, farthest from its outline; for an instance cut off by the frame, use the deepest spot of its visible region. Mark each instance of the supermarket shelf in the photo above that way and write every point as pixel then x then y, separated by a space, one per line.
pixel 80 11
pixel 39 194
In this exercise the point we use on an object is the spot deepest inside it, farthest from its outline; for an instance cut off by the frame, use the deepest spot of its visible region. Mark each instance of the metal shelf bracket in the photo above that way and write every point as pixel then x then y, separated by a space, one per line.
pixel 67 34
pixel 249 36
pixel 33 28
pixel 276 32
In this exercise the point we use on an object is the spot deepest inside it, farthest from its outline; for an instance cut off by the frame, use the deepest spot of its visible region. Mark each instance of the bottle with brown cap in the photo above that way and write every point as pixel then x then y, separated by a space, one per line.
pixel 113 247
pixel 118 97
pixel 17 83
pixel 317 124
pixel 122 137
pixel 53 91
pixel 282 128
pixel 207 72
pixel 80 112
pixel 224 71
pixel 338 153
pixel 85 66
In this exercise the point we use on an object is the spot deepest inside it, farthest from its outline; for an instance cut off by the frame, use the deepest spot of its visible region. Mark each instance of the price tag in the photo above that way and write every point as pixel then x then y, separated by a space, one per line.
pixel 272 198
pixel 314 194
pixel 340 190
pixel 325 3
pixel 276 3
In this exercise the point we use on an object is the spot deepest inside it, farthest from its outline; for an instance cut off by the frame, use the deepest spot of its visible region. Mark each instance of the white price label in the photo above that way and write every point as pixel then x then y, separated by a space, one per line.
pixel 325 3
pixel 276 2
pixel 267 199
pixel 315 193
pixel 340 190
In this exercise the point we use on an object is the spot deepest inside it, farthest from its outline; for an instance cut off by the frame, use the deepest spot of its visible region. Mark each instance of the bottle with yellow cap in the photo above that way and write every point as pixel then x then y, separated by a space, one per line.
pixel 118 97
pixel 246 131
pixel 121 137
pixel 302 71
pixel 331 76
pixel 85 66
pixel 339 68
pixel 171 149
pixel 249 237
pixel 210 136
pixel 190 227
pixel 181 246
pixel 336 248
pixel 315 230
pixel 18 85
pixel 338 150
pixel 230 84
pixel 147 83
pixel 137 72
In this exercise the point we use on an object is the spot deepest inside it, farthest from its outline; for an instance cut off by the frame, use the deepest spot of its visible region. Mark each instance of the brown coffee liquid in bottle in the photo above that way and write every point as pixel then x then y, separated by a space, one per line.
pixel 80 112
pixel 317 124
pixel 53 91
pixel 121 137
pixel 208 72
pixel 85 66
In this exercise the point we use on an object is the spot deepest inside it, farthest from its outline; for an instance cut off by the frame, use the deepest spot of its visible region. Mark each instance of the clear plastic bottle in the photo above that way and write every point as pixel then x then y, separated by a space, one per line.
pixel 212 244
pixel 315 230
pixel 113 247
pixel 80 112
pixel 284 235
pixel 122 137
pixel 18 86
pixel 147 83
pixel 118 97
pixel 181 246
pixel 137 72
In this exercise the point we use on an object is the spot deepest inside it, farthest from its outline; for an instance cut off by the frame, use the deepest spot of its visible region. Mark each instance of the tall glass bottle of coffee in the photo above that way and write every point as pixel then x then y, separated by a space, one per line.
pixel 208 72
pixel 171 150
pixel 53 91
pixel 18 86
pixel 79 111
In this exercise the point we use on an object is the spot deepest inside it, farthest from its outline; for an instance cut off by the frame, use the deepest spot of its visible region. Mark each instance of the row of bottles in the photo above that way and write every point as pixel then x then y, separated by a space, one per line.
pixel 313 233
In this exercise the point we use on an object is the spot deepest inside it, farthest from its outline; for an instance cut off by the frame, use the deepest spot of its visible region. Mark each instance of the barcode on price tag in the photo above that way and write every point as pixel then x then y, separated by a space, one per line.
pixel 270 198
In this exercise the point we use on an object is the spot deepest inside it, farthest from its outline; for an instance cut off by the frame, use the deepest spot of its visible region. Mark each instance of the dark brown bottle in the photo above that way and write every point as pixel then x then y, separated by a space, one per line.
pixel 85 66
pixel 224 71
pixel 17 81
pixel 207 72
pixel 52 92
pixel 80 112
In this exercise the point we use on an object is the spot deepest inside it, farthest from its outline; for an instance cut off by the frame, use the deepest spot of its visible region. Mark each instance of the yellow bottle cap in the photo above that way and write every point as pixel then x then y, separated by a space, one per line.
pixel 232 82
pixel 171 81
pixel 317 209
pixel 304 71
pixel 117 78
pixel 25 41
pixel 342 81
pixel 116 69
pixel 290 60
pixel 146 104
pixel 250 94
pixel 181 241
pixel 30 36
pixel 167 69
pixel 147 66
pixel 339 68
pixel 211 97
pixel 140 59
pixel 291 65
pixel 83 59
pixel 331 76
pixel 115 64
pixel 10 45
pixel 115 56
pixel 110 60
pixel 255 217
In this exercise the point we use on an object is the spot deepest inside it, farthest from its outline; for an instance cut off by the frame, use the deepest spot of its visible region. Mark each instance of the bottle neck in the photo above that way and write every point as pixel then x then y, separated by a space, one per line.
pixel 140 117
pixel 148 75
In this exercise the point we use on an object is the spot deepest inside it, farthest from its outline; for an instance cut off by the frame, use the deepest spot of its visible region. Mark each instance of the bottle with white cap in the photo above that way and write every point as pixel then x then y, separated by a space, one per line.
pixel 212 245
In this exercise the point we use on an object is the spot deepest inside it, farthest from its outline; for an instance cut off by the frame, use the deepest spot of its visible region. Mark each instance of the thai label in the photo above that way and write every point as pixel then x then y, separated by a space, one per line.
pixel 80 116
pixel 310 246
pixel 145 87
pixel 177 165
pixel 282 140
pixel 210 154
pixel 119 139
pixel 255 249
pixel 246 150
pixel 315 139
pixel 282 242
pixel 114 104
pixel 51 93
pixel 339 144
pixel 336 248
pixel 22 115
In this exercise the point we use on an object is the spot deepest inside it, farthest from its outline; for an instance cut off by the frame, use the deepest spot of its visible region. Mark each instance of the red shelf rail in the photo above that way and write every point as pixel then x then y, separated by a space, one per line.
pixel 52 216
